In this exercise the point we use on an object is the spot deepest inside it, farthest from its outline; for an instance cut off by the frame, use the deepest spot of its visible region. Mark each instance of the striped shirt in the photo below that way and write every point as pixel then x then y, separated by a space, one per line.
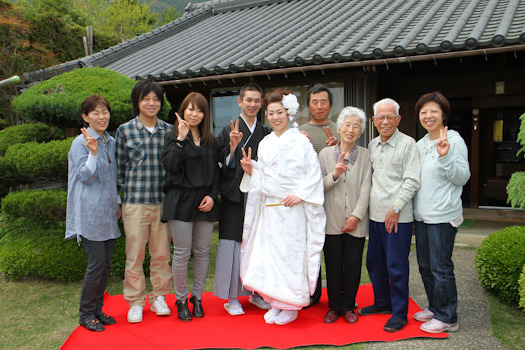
pixel 140 173
pixel 317 134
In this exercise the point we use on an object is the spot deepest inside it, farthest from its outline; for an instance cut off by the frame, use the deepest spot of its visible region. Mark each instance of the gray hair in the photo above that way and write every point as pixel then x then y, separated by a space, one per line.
pixel 388 101
pixel 352 112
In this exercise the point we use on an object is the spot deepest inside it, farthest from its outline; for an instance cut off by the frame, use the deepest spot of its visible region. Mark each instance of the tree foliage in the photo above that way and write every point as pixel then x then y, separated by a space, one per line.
pixel 64 9
pixel 516 186
pixel 124 18
pixel 18 54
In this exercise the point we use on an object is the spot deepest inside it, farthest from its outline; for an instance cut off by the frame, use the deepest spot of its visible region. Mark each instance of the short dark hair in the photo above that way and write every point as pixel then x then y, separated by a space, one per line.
pixel 317 88
pixel 91 102
pixel 275 96
pixel 143 88
pixel 250 87
pixel 197 100
pixel 438 98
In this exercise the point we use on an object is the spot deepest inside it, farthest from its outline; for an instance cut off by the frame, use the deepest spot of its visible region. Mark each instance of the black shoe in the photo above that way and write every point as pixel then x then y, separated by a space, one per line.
pixel 183 311
pixel 105 319
pixel 395 324
pixel 198 312
pixel 92 324
pixel 372 310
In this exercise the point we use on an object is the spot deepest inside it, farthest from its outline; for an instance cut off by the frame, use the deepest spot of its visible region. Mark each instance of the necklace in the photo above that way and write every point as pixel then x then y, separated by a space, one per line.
pixel 197 140
pixel 105 151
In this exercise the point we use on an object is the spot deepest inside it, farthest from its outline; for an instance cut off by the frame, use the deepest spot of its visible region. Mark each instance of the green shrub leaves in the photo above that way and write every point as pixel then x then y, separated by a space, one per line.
pixel 499 262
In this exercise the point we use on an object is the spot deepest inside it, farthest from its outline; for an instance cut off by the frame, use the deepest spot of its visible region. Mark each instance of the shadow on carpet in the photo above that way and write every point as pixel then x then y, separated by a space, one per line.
pixel 220 330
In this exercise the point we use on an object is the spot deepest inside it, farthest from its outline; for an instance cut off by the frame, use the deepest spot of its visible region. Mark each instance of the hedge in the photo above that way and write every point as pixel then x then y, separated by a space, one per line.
pixel 44 205
pixel 28 162
pixel 57 101
pixel 522 289
pixel 499 262
pixel 30 249
pixel 27 133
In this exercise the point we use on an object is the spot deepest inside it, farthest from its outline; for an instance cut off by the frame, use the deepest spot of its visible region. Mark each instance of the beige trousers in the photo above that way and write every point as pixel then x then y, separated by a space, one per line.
pixel 142 227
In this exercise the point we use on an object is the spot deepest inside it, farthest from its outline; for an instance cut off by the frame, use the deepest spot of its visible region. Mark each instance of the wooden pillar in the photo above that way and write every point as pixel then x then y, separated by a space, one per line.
pixel 474 161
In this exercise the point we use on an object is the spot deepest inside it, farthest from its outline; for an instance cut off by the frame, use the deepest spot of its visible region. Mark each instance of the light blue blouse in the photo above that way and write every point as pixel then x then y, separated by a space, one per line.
pixel 92 197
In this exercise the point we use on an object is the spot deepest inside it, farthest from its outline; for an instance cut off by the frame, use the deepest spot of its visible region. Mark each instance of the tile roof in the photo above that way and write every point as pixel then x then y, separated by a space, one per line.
pixel 229 36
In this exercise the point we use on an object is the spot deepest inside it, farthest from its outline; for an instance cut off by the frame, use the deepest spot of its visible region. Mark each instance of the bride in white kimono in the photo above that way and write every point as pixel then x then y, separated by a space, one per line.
pixel 284 222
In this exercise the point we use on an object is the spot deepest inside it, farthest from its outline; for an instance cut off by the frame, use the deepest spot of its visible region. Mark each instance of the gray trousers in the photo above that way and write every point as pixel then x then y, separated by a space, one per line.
pixel 190 237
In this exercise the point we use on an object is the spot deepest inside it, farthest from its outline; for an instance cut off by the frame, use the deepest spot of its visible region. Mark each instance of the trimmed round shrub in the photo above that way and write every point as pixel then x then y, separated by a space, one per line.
pixel 31 161
pixel 43 205
pixel 27 133
pixel 499 262
pixel 57 101
pixel 521 283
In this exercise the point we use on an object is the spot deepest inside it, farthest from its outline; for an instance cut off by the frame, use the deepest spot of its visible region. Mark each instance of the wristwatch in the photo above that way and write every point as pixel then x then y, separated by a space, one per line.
pixel 396 210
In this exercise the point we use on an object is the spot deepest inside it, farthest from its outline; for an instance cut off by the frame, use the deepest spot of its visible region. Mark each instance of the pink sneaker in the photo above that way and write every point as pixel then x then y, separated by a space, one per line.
pixel 436 326
pixel 424 316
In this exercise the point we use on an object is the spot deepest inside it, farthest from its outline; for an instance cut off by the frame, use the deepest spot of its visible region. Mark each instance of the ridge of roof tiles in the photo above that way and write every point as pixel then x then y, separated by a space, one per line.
pixel 228 36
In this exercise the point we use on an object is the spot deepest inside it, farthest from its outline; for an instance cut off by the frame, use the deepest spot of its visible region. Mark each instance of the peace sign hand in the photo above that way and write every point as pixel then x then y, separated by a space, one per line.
pixel 331 140
pixel 246 161
pixel 91 142
pixel 443 146
pixel 183 128
pixel 235 135
pixel 340 167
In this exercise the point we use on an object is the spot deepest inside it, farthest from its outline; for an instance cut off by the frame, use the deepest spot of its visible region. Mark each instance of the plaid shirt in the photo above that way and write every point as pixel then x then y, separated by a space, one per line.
pixel 140 173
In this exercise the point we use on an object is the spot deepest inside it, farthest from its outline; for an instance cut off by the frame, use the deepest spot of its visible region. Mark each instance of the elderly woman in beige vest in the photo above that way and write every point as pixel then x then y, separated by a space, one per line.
pixel 347 174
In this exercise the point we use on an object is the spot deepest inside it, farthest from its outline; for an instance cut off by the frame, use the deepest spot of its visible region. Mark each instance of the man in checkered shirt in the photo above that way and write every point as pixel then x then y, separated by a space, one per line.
pixel 140 177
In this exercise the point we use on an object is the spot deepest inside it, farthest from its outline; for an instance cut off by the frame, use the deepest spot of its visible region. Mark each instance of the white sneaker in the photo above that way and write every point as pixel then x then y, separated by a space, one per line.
pixel 424 316
pixel 259 302
pixel 160 307
pixel 271 315
pixel 135 314
pixel 286 316
pixel 436 326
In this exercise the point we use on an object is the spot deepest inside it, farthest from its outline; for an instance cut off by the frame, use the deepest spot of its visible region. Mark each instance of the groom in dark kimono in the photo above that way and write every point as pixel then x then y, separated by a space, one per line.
pixel 245 132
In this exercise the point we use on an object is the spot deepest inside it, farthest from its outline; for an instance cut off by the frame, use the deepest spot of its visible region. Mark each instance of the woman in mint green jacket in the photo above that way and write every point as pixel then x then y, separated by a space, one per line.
pixel 438 211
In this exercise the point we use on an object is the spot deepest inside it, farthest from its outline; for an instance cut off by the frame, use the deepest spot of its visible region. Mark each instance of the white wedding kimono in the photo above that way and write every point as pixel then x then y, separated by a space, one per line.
pixel 281 246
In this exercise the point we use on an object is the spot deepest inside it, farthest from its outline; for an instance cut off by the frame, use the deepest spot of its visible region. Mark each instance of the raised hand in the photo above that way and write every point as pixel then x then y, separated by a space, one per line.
pixel 91 142
pixel 331 140
pixel 206 204
pixel 291 200
pixel 235 136
pixel 246 161
pixel 443 146
pixel 340 167
pixel 183 128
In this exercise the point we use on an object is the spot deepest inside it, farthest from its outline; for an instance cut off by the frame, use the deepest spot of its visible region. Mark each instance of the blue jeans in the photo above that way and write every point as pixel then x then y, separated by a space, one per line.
pixel 387 264
pixel 434 245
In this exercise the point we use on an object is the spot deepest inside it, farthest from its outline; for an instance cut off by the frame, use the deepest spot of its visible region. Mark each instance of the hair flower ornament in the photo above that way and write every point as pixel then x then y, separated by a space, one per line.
pixel 292 106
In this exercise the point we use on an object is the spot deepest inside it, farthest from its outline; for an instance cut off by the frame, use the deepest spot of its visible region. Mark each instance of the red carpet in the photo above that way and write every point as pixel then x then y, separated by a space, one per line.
pixel 220 330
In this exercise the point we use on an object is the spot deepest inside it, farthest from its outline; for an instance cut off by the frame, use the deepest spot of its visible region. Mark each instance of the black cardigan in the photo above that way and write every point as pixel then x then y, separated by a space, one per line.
pixel 192 172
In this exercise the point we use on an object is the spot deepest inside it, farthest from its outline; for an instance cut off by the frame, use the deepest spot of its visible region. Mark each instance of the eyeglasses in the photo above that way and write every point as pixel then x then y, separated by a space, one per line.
pixel 389 117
